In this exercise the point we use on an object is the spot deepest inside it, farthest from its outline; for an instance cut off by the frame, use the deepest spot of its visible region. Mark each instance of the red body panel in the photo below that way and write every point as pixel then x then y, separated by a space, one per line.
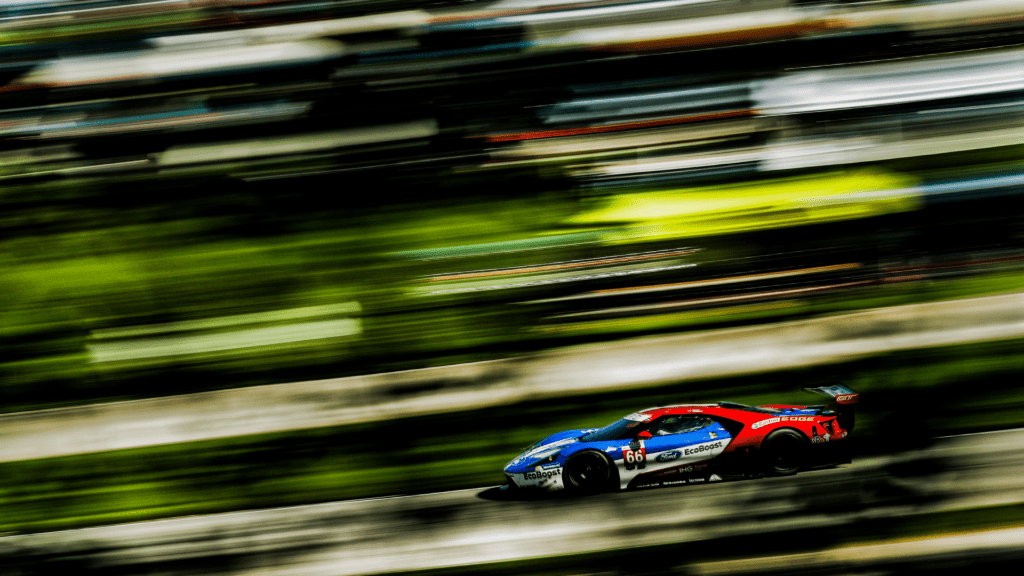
pixel 817 428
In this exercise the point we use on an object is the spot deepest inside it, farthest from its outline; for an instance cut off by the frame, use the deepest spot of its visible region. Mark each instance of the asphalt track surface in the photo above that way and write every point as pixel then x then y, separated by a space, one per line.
pixel 561 372
pixel 474 526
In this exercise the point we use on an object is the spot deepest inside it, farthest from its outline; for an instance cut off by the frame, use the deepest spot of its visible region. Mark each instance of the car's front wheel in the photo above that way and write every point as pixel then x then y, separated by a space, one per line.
pixel 783 452
pixel 587 472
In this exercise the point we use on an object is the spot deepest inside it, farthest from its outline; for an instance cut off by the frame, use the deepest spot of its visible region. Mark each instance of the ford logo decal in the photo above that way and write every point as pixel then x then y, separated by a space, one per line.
pixel 670 455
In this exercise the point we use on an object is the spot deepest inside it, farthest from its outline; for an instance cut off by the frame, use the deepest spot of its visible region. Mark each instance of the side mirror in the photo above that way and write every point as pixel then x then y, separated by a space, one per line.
pixel 644 435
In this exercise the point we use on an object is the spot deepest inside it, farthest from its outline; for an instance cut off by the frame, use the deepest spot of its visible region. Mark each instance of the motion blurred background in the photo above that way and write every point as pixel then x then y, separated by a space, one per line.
pixel 257 254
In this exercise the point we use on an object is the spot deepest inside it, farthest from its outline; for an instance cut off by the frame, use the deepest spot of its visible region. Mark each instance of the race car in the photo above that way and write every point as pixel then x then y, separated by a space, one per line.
pixel 689 444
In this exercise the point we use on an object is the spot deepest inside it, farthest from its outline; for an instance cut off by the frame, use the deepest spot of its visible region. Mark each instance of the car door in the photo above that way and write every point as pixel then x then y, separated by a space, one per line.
pixel 679 444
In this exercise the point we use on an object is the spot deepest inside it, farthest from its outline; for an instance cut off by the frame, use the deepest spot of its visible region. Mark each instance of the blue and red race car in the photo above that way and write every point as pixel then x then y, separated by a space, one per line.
pixel 688 444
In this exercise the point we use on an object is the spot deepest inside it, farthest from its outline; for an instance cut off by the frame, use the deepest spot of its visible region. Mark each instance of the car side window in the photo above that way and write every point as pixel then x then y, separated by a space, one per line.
pixel 678 424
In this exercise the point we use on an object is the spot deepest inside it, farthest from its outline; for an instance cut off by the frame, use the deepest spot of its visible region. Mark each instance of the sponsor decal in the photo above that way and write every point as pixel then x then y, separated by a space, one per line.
pixel 702 448
pixel 638 417
pixel 699 480
pixel 712 435
pixel 817 439
pixel 765 422
pixel 551 466
pixel 845 397
pixel 797 418
pixel 541 474
pixel 695 410
pixel 676 470
pixel 635 458
pixel 610 449
pixel 669 456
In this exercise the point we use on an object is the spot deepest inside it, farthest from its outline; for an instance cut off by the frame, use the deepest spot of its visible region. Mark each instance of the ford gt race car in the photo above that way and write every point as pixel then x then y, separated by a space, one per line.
pixel 688 444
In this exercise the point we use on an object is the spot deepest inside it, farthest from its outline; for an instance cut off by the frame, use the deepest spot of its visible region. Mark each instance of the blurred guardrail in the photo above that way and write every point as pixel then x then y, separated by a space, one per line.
pixel 953 475
pixel 563 372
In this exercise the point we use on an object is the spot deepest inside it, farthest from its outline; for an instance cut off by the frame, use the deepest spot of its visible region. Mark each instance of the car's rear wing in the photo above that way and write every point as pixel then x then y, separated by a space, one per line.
pixel 842 395
pixel 845 400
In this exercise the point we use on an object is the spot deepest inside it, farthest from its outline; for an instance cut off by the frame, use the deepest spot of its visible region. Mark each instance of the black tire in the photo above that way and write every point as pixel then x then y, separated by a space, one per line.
pixel 587 472
pixel 783 452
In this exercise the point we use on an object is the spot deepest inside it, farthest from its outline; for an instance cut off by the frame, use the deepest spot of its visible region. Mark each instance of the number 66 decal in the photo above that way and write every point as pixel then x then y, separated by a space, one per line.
pixel 635 458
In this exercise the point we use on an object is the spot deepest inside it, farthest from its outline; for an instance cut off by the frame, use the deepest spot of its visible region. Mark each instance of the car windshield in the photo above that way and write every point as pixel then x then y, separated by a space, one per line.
pixel 679 424
pixel 614 431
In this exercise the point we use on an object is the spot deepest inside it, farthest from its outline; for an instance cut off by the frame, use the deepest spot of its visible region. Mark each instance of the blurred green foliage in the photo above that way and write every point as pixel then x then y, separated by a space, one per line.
pixel 90 263
pixel 79 258
pixel 84 255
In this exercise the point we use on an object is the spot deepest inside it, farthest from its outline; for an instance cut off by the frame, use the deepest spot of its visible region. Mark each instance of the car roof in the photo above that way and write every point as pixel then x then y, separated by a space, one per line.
pixel 676 409
pixel 657 411
pixel 732 409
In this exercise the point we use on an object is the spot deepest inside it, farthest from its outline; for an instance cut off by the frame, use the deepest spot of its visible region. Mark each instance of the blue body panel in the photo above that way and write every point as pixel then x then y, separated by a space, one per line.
pixel 542 464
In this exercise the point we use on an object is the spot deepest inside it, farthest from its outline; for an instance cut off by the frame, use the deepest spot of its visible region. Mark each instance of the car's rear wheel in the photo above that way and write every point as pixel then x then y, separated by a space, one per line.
pixel 587 472
pixel 783 452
